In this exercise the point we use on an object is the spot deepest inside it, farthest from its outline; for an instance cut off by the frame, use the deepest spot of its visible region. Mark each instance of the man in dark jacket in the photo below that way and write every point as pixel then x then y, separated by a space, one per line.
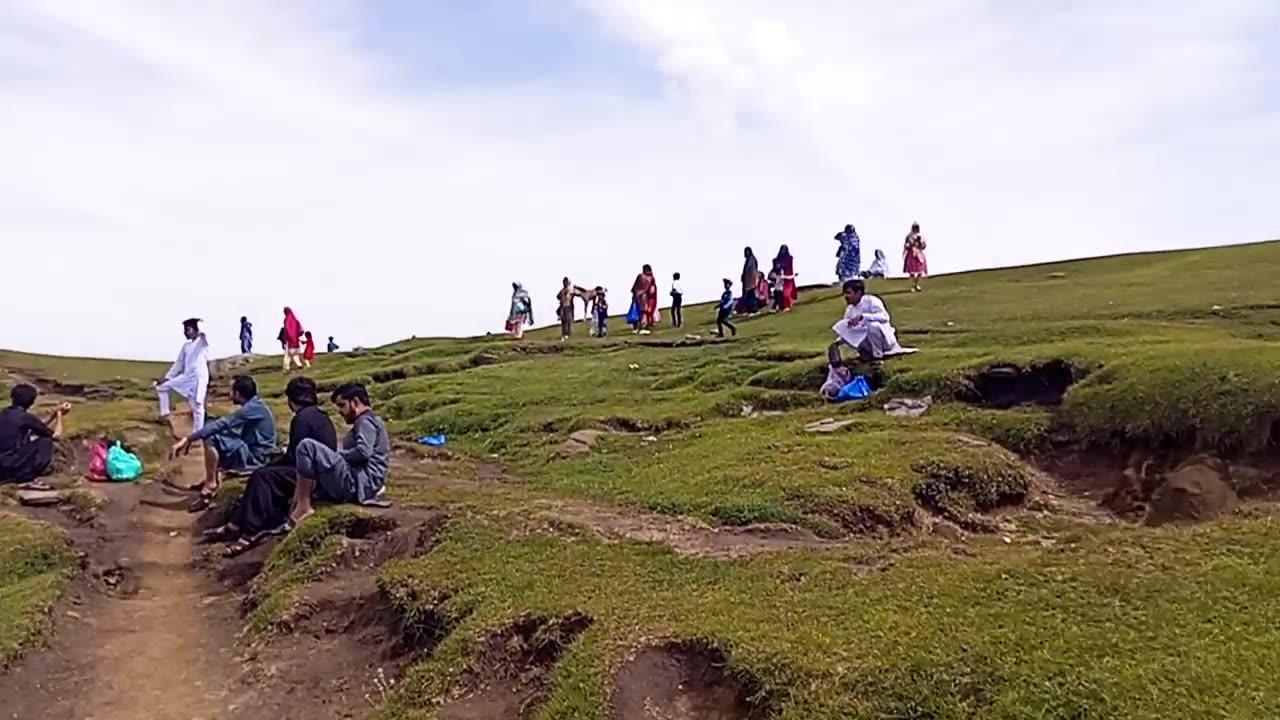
pixel 26 441
pixel 263 509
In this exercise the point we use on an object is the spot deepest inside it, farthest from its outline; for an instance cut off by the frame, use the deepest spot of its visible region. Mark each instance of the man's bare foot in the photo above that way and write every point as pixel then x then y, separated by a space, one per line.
pixel 300 515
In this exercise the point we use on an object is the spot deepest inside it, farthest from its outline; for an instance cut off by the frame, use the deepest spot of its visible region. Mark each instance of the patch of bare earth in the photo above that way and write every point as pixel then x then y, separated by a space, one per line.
pixel 508 678
pixel 683 681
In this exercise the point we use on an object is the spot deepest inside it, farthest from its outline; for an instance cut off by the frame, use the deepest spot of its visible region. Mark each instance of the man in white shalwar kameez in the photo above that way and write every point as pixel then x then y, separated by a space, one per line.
pixel 189 376
pixel 865 327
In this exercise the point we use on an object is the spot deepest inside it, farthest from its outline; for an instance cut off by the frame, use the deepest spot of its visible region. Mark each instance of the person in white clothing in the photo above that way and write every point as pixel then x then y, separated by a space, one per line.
pixel 188 376
pixel 865 327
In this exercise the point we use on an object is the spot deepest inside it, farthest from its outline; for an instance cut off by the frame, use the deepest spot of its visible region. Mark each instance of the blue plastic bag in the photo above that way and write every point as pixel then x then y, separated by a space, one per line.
pixel 122 465
pixel 633 315
pixel 855 389
pixel 436 440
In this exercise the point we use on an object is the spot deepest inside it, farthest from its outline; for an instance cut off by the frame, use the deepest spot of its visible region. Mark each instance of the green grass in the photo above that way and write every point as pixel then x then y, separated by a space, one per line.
pixel 1066 619
pixel 36 563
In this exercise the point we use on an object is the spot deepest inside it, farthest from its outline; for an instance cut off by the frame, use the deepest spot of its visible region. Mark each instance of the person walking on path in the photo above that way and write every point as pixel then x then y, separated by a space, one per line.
pixel 291 333
pixel 725 309
pixel 246 336
pixel 914 263
pixel 521 311
pixel 849 254
pixel 677 301
pixel 786 266
pixel 188 376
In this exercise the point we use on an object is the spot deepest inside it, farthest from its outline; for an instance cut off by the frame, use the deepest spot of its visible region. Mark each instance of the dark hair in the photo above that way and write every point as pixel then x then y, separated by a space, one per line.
pixel 301 391
pixel 349 392
pixel 647 268
pixel 23 395
pixel 855 285
pixel 244 319
pixel 915 227
pixel 676 276
pixel 728 283
pixel 244 386
pixel 193 323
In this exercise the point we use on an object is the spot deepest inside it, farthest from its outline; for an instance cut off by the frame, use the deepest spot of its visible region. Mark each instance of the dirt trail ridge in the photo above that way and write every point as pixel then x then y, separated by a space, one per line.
pixel 161 647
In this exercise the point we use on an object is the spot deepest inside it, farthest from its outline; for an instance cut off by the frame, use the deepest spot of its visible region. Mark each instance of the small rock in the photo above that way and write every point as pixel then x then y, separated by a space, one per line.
pixel 827 425
pixel 828 463
pixel 1057 275
pixel 1007 540
pixel 73 614
pixel 650 439
pixel 948 531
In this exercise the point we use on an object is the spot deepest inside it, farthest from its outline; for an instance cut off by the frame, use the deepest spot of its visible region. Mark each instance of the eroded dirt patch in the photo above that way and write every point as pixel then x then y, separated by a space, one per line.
pixel 1004 386
pixel 508 678
pixel 684 681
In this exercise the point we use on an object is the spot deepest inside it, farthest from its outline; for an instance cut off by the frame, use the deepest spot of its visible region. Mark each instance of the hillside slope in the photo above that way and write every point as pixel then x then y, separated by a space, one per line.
pixel 1081 526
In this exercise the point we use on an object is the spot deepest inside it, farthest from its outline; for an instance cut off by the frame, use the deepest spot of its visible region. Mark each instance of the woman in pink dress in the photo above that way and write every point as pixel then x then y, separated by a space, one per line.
pixel 914 263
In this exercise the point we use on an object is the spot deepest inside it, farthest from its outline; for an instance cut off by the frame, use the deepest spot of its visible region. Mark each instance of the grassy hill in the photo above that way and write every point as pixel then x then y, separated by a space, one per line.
pixel 989 559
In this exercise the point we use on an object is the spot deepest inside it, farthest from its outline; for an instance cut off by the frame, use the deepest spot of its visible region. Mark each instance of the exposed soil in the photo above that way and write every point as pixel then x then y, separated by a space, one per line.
pixel 1004 386
pixel 509 677
pixel 683 681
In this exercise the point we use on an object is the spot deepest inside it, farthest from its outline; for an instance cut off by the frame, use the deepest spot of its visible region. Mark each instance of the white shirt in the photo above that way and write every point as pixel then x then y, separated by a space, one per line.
pixel 677 288
pixel 193 360
pixel 852 329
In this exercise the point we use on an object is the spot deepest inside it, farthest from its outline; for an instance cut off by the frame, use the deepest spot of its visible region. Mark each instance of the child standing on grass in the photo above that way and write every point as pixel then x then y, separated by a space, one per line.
pixel 308 349
pixel 775 287
pixel 724 309
pixel 677 301
pixel 914 263
pixel 600 312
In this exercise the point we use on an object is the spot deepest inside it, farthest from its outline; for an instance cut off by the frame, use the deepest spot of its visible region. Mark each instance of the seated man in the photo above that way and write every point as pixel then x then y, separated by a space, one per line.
pixel 26 442
pixel 865 327
pixel 239 442
pixel 354 474
pixel 263 510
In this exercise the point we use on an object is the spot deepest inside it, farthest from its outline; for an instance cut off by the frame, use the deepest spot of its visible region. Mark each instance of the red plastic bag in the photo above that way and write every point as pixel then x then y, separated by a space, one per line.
pixel 97 462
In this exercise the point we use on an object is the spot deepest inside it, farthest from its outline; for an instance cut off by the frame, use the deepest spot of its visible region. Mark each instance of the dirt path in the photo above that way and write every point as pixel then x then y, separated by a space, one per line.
pixel 161 647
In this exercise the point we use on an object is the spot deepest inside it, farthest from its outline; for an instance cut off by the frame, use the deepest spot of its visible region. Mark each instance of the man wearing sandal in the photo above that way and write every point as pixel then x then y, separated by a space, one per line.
pixel 238 443
pixel 263 509
pixel 357 472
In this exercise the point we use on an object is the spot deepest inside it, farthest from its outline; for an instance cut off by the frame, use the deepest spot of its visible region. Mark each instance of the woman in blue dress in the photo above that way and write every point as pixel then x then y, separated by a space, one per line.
pixel 849 256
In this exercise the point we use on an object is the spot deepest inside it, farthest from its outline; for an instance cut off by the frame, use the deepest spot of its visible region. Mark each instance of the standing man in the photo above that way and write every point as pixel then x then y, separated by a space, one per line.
pixel 565 297
pixel 333 346
pixel 356 473
pixel 246 336
pixel 677 301
pixel 26 442
pixel 188 376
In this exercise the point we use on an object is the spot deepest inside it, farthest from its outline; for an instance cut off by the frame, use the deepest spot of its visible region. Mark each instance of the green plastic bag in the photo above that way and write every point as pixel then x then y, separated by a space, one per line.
pixel 122 465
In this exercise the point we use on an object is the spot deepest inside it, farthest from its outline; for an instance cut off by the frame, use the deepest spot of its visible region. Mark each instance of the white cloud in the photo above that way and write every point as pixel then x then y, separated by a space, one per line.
pixel 219 159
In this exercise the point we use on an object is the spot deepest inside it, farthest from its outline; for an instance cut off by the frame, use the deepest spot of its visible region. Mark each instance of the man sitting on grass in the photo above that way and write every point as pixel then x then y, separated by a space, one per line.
pixel 238 443
pixel 26 442
pixel 354 474
pixel 263 509
pixel 866 326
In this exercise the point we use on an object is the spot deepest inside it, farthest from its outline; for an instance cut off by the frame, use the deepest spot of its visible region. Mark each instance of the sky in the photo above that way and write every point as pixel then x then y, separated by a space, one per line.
pixel 389 167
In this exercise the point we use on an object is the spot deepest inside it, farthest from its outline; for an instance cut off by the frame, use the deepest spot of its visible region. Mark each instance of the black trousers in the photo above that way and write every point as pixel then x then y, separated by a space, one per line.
pixel 266 499
pixel 677 310
pixel 722 322
pixel 27 461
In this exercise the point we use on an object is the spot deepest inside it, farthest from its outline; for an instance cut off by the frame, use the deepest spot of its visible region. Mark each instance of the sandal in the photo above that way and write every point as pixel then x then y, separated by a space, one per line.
pixel 204 501
pixel 242 545
pixel 37 485
pixel 222 533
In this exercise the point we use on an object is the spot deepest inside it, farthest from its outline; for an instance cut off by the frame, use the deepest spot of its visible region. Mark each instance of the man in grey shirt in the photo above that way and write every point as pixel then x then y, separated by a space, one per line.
pixel 357 471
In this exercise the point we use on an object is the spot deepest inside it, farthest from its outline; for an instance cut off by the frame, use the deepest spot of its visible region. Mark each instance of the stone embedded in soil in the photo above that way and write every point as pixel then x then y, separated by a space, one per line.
pixel 580 442
pixel 1198 490
pixel 827 425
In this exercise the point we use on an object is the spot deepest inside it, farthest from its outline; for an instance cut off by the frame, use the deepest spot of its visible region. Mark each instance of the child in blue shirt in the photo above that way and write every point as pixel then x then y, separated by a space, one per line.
pixel 725 308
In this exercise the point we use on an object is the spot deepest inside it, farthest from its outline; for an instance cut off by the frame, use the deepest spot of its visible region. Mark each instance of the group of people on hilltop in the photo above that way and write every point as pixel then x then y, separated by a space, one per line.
pixel 776 289
pixel 298 345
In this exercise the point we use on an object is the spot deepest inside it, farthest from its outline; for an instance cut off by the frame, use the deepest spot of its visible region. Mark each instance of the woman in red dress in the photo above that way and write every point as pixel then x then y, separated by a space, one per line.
pixel 914 263
pixel 645 293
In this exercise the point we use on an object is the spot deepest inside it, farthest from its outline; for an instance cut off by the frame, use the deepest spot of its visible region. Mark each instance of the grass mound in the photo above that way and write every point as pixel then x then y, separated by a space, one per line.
pixel 36 564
